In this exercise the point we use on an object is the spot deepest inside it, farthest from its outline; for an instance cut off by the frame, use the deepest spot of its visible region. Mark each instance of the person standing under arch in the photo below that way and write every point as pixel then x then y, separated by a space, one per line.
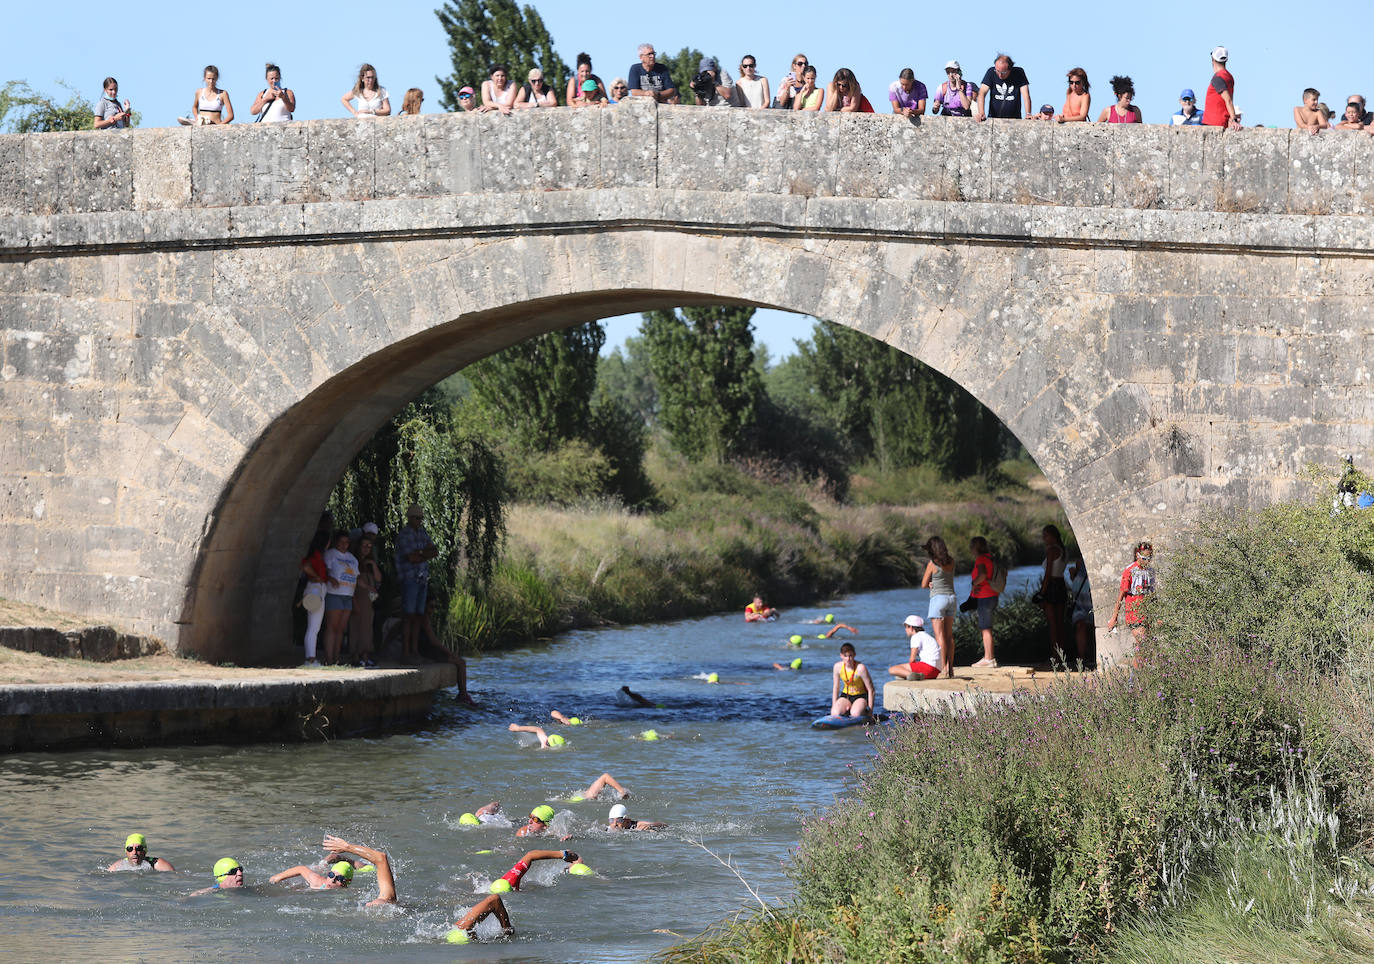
pixel 939 579
pixel 984 568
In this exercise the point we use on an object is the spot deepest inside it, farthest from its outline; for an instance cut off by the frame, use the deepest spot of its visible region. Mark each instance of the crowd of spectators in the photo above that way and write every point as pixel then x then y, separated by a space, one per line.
pixel 1003 93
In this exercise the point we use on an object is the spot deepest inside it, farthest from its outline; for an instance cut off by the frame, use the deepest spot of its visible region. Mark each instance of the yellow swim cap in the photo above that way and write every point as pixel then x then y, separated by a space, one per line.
pixel 794 640
pixel 224 866
pixel 649 735
pixel 556 740
pixel 820 635
pixel 542 812
pixel 581 870
pixel 469 820
pixel 484 851
pixel 830 617
pixel 713 678
pixel 499 886
pixel 796 663
pixel 343 869
pixel 457 936
pixel 135 840
pixel 574 721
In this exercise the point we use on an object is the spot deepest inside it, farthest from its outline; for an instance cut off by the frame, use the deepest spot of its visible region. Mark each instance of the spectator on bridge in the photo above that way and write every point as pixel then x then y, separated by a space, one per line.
pixel 1004 92
pixel 467 99
pixel 649 78
pixel 1045 113
pixel 1366 117
pixel 1220 106
pixel 712 86
pixel 620 90
pixel 371 96
pixel 414 550
pixel 497 91
pixel 1308 116
pixel 573 95
pixel 535 93
pixel 752 89
pixel 1352 120
pixel 1122 112
pixel 210 104
pixel 844 94
pixel 907 94
pixel 809 97
pixel 1078 101
pixel 1187 114
pixel 368 588
pixel 109 113
pixel 274 103
pixel 410 104
pixel 592 95
pixel 956 96
pixel 792 83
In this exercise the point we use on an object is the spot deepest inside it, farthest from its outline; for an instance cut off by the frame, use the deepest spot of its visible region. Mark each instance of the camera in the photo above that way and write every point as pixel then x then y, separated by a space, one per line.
pixel 704 86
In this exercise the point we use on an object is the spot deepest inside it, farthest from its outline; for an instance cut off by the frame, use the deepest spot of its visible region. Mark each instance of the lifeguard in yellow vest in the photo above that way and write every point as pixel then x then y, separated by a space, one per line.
pixel 758 612
pixel 851 691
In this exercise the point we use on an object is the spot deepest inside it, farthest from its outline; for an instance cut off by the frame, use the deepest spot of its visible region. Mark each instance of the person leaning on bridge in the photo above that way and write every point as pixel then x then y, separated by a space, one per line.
pixel 275 103
pixel 649 78
pixel 1005 91
pixel 109 113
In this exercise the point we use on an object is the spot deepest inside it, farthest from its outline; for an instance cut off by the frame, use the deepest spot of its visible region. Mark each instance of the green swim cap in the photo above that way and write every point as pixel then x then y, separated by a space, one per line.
pixel 484 851
pixel 796 663
pixel 574 721
pixel 223 867
pixel 820 635
pixel 576 798
pixel 457 936
pixel 581 870
pixel 649 735
pixel 469 820
pixel 542 812
pixel 499 886
pixel 343 869
pixel 135 840
pixel 830 617
pixel 794 640
pixel 556 740
pixel 713 678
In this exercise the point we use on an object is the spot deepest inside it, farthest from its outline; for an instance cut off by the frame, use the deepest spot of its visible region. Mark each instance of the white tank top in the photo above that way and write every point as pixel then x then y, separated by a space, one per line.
pixel 210 104
pixel 370 105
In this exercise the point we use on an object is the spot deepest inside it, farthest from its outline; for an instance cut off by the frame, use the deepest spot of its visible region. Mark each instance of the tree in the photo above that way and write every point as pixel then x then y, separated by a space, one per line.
pixel 486 32
pixel 624 376
pixel 683 66
pixel 27 111
pixel 540 390
pixel 709 389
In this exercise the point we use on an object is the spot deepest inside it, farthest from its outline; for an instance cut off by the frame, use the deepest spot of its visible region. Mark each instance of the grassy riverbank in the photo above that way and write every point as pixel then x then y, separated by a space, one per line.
pixel 1213 804
pixel 723 535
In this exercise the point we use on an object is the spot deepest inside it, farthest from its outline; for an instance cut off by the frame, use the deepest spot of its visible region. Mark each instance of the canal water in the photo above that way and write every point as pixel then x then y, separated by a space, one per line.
pixel 735 768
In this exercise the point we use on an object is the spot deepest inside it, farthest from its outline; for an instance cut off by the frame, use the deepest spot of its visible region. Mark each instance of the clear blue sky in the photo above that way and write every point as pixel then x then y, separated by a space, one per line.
pixel 157 51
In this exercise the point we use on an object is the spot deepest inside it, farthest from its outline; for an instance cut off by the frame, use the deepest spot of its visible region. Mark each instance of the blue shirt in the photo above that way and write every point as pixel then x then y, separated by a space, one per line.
pixel 408 540
pixel 1180 121
pixel 657 78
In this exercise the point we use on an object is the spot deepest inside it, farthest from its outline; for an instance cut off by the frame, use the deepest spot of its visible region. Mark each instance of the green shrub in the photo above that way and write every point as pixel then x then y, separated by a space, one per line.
pixel 1020 632
pixel 573 473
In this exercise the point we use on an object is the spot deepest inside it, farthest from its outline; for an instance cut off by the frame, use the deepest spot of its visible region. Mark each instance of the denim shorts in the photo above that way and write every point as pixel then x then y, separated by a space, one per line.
pixel 943 607
pixel 334 602
pixel 413 597
pixel 986 607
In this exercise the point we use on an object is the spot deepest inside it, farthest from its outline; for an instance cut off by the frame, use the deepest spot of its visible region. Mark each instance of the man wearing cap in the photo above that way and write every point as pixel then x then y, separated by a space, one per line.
pixel 228 876
pixel 136 856
pixel 1187 115
pixel 414 550
pixel 925 653
pixel 467 99
pixel 724 90
pixel 649 78
pixel 619 819
pixel 1220 108
pixel 341 874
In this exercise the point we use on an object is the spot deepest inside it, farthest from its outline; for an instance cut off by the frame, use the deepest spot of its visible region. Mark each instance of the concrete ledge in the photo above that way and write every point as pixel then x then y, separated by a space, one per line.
pixel 967 690
pixel 290 708
pixel 101 644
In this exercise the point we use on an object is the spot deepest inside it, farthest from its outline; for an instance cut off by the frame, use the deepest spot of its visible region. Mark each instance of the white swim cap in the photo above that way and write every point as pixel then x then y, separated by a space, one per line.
pixel 618 811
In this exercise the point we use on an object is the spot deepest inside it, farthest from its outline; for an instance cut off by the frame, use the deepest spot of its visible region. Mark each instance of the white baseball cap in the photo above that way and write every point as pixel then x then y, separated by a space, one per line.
pixel 370 528
pixel 915 622
pixel 1219 54
pixel 618 811
pixel 954 65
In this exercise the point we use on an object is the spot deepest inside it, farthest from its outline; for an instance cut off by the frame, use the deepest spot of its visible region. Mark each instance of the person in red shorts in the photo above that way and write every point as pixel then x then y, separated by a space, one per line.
pixel 1137 582
pixel 925 653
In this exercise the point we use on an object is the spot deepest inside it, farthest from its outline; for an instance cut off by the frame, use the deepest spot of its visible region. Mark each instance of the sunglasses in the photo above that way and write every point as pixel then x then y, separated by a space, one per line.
pixel 141 850
pixel 799 63
pixel 231 873
pixel 460 97
pixel 1075 82
pixel 746 66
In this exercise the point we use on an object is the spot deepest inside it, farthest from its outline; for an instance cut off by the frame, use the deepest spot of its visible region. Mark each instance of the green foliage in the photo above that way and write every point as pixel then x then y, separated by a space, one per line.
pixel 486 32
pixel 622 439
pixel 624 376
pixel 539 391
pixel 683 67
pixel 1019 629
pixel 26 111
pixel 709 389
pixel 571 474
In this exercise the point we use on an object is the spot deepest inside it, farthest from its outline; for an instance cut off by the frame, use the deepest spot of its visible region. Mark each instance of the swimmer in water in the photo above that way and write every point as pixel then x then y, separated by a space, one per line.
pixel 758 611
pixel 538 822
pixel 466 928
pixel 838 626
pixel 639 700
pixel 795 664
pixel 511 879
pixel 546 740
pixel 620 820
pixel 341 874
pixel 228 876
pixel 565 720
pixel 136 856
pixel 851 691
pixel 599 784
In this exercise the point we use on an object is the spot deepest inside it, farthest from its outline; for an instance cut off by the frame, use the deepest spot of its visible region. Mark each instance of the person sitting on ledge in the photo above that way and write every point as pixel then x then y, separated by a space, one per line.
pixel 925 653
pixel 340 875
pixel 136 856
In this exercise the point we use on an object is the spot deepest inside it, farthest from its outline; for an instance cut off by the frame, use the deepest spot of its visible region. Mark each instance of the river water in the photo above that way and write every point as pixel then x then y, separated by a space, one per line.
pixel 736 768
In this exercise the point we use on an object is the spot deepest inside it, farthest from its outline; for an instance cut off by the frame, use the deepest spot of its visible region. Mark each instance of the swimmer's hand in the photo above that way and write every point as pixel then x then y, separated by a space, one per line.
pixel 570 858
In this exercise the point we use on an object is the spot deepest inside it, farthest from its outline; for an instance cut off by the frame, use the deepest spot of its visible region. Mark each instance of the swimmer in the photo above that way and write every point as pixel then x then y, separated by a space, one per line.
pixel 619 820
pixel 851 692
pixel 827 618
pixel 341 874
pixel 136 856
pixel 837 627
pixel 538 822
pixel 601 783
pixel 925 653
pixel 795 664
pixel 517 873
pixel 639 700
pixel 758 612
pixel 228 876
pixel 333 857
pixel 546 740
pixel 565 720
pixel 466 928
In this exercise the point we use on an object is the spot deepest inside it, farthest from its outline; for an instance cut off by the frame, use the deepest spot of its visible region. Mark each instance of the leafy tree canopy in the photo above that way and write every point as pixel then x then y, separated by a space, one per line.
pixel 24 110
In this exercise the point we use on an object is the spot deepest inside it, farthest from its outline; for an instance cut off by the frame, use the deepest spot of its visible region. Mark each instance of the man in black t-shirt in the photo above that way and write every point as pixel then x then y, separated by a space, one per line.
pixel 1005 91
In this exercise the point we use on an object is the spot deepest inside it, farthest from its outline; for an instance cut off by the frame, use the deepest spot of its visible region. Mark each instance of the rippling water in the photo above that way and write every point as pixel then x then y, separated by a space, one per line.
pixel 737 768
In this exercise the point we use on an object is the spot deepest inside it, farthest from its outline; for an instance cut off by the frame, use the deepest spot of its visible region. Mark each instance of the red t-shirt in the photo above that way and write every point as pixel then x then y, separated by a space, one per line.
pixel 316 562
pixel 1215 113
pixel 1137 582
pixel 984 565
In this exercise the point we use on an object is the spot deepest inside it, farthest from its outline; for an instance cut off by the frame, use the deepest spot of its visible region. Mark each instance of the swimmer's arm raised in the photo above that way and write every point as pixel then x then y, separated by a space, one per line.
pixel 386 883
pixel 300 870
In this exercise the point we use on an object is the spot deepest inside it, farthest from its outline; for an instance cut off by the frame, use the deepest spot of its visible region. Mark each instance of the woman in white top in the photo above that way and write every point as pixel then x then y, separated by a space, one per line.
pixel 342 567
pixel 276 102
pixel 211 105
pixel 753 89
pixel 497 92
pixel 371 96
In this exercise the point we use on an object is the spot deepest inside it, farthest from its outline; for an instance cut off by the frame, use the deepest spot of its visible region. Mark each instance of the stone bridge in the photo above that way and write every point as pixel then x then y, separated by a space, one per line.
pixel 201 327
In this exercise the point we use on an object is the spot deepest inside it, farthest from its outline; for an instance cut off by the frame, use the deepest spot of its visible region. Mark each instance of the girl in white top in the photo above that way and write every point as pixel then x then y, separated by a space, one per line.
pixel 497 92
pixel 753 89
pixel 276 102
pixel 211 105
pixel 371 96
pixel 338 602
